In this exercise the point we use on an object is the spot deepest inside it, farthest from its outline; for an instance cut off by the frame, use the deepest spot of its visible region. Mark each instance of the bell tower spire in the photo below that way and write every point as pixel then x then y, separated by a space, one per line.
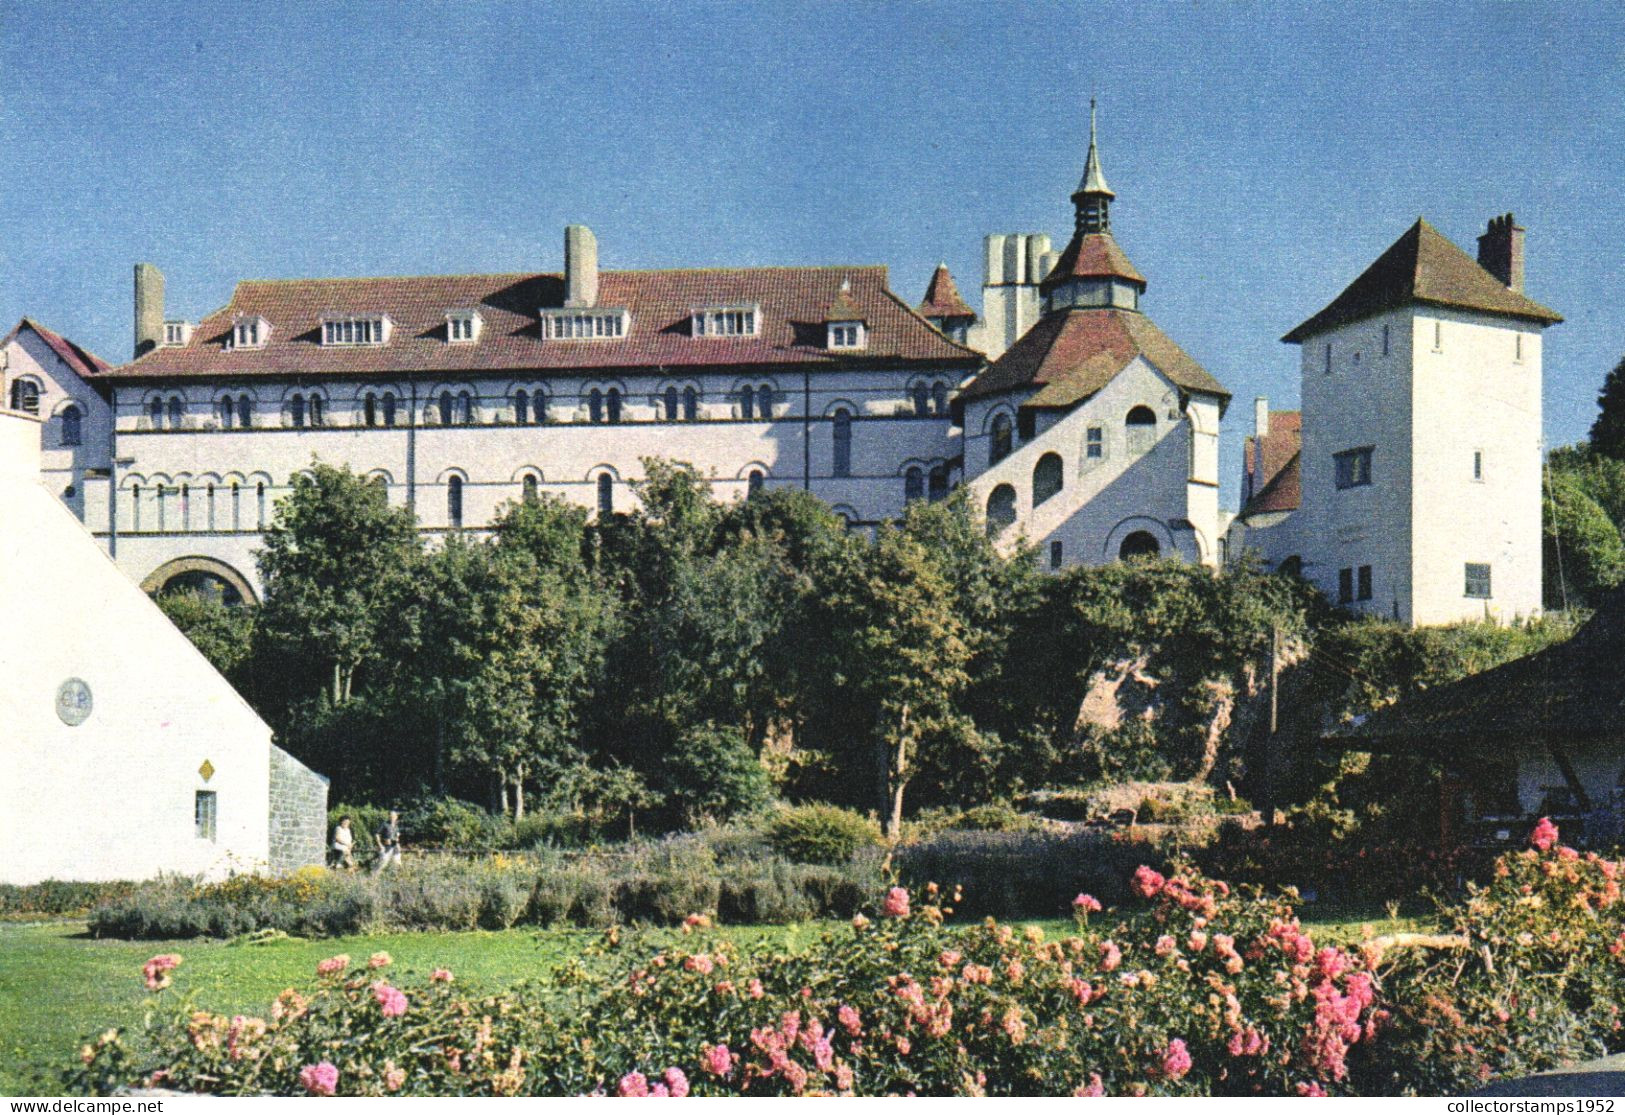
pixel 1093 197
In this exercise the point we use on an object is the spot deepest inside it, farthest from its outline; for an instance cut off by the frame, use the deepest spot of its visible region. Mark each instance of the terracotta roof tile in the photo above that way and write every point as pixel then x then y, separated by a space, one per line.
pixel 1093 255
pixel 1422 266
pixel 1068 356
pixel 793 302
pixel 1272 463
pixel 84 362
pixel 942 297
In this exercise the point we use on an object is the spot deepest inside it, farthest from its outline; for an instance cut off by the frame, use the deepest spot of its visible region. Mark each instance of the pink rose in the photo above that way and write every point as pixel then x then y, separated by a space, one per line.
pixel 896 904
pixel 158 968
pixel 1095 1087
pixel 847 1016
pixel 391 1002
pixel 1176 1062
pixel 633 1084
pixel 440 975
pixel 321 1079
pixel 716 1060
pixel 380 960
pixel 1086 904
pixel 1147 883
pixel 1544 836
pixel 333 965
pixel 676 1082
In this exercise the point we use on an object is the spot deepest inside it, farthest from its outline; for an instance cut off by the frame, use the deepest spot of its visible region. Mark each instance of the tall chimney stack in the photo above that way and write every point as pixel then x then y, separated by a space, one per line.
pixel 1500 251
pixel 580 267
pixel 1261 417
pixel 149 308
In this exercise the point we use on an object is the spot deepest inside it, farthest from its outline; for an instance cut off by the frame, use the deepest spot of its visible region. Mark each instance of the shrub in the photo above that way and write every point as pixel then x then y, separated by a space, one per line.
pixel 821 834
pixel 58 897
pixel 549 830
pixel 456 825
pixel 998 816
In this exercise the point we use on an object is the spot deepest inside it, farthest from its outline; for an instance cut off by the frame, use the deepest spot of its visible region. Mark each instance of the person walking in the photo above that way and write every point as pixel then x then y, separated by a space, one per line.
pixel 388 838
pixel 342 850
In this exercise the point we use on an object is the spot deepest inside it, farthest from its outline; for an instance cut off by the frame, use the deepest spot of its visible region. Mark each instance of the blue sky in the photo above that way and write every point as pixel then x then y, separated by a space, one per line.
pixel 1262 154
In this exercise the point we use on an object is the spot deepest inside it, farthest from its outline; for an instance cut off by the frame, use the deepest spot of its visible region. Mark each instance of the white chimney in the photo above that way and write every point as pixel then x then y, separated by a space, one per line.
pixel 1261 417
pixel 580 267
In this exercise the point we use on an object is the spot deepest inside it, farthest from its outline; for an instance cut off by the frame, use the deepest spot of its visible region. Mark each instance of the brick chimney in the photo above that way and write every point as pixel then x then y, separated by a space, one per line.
pixel 1500 251
pixel 149 308
pixel 580 267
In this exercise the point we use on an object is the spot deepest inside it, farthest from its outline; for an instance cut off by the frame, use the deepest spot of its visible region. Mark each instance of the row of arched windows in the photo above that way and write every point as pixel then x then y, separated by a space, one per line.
pixel 918 483
pixel 172 506
pixel 1139 435
pixel 930 399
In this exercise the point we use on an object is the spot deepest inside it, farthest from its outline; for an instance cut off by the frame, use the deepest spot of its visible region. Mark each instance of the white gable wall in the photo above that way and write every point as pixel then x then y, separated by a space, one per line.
pixel 113 797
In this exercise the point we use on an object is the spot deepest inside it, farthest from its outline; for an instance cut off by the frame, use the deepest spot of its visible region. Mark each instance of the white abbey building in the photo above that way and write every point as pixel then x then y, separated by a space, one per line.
pixel 1410 485
pixel 459 393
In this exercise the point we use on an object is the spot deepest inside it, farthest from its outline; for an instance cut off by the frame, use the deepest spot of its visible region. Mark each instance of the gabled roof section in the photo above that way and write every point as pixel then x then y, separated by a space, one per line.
pixel 1272 463
pixel 845 307
pixel 86 364
pixel 1564 692
pixel 1069 356
pixel 1093 255
pixel 942 297
pixel 793 303
pixel 1422 266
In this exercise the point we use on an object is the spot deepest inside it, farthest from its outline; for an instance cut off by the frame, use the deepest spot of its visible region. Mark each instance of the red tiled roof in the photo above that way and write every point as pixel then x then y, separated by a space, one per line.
pixel 1068 356
pixel 84 362
pixel 1093 255
pixel 1276 485
pixel 845 307
pixel 942 297
pixel 1422 266
pixel 793 301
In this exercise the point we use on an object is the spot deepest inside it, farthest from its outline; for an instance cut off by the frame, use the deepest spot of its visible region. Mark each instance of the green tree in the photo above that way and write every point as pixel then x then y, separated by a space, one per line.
pixel 1608 431
pixel 1584 555
pixel 335 561
pixel 551 530
pixel 224 634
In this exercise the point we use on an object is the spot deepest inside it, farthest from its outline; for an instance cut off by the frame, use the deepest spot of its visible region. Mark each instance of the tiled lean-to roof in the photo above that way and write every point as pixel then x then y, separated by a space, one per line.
pixel 1070 355
pixel 1272 463
pixel 792 300
pixel 1422 266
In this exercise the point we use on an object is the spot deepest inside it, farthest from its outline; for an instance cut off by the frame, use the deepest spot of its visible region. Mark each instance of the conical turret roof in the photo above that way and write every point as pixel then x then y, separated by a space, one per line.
pixel 942 297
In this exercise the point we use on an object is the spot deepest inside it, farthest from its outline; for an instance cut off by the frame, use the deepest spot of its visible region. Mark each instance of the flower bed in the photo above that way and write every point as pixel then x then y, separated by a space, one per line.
pixel 1205 992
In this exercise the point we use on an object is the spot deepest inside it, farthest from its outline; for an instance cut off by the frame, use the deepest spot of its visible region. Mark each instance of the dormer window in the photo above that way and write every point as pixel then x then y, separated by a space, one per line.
pixel 585 325
pixel 463 327
pixel 727 321
pixel 177 333
pixel 847 334
pixel 249 332
pixel 372 329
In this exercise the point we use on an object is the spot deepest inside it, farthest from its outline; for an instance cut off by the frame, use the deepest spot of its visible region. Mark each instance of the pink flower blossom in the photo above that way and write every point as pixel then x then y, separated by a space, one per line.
pixel 896 904
pixel 1176 1061
pixel 716 1060
pixel 1310 1088
pixel 823 1055
pixel 1166 946
pixel 949 958
pixel 699 962
pixel 659 1091
pixel 391 1002
pixel 380 960
pixel 754 988
pixel 859 922
pixel 1147 883
pixel 843 1078
pixel 676 1082
pixel 795 1076
pixel 1095 1087
pixel 156 971
pixel 697 921
pixel 847 1016
pixel 321 1079
pixel 1110 956
pixel 333 965
pixel 394 1078
pixel 1197 941
pixel 1086 904
pixel 1330 962
pixel 440 975
pixel 1544 836
pixel 633 1085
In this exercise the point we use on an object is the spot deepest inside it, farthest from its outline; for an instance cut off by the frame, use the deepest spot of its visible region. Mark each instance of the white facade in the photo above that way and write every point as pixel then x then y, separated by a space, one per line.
pixel 123 793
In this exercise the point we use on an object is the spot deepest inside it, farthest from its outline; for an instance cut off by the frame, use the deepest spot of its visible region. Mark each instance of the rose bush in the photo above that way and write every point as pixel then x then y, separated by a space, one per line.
pixel 1199 991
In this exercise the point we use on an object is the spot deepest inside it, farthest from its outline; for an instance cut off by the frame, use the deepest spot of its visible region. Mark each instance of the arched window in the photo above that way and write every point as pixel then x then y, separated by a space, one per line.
pixel 259 496
pixel 765 400
pixel 753 482
pixel 72 425
pixel 209 492
pixel 1140 429
pixel 595 405
pixel 25 396
pixel 296 411
pixel 691 404
pixel 1291 566
pixel 922 400
pixel 176 410
pixel 155 410
pixel 612 404
pixel 843 443
pixel 1048 477
pixel 1000 445
pixel 245 411
pixel 389 408
pixel 227 409
pixel 316 406
pixel 1001 508
pixel 186 507
pixel 528 489
pixel 465 408
pixel 369 409
pixel 521 407
pixel 135 506
pixel 1140 544
pixel 747 402
pixel 913 484
pixel 671 404
pixel 454 502
pixel 236 506
pixel 939 399
pixel 937 483
pixel 445 408
pixel 161 490
pixel 606 496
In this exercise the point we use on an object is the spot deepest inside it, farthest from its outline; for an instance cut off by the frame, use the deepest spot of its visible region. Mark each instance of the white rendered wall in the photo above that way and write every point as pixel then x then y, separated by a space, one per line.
pixel 62 467
pixel 113 797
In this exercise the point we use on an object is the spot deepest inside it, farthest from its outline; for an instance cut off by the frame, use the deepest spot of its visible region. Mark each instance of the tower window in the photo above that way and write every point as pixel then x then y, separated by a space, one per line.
pixel 454 502
pixel 753 483
pixel 1478 464
pixel 1001 440
pixel 1027 424
pixel 913 484
pixel 606 496
pixel 204 814
pixel 1140 428
pixel 1517 347
pixel 937 483
pixel 1094 443
pixel 1352 468
pixel 1048 476
pixel 922 401
pixel 1385 340
pixel 1345 585
pixel 691 404
pixel 1001 508
pixel 1362 583
pixel 1328 358
pixel 72 425
pixel 1438 336
pixel 1478 580
pixel 25 396
pixel 1055 554
pixel 841 428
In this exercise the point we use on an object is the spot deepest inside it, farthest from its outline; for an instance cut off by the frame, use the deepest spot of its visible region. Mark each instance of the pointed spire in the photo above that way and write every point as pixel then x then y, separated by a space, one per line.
pixel 1094 182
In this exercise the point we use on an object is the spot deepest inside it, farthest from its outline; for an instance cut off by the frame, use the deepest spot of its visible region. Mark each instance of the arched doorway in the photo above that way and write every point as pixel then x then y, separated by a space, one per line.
pixel 206 576
pixel 1001 508
pixel 1140 544
pixel 1048 477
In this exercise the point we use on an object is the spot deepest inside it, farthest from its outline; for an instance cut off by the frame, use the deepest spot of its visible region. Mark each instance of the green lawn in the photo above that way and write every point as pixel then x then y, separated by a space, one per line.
pixel 58 985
